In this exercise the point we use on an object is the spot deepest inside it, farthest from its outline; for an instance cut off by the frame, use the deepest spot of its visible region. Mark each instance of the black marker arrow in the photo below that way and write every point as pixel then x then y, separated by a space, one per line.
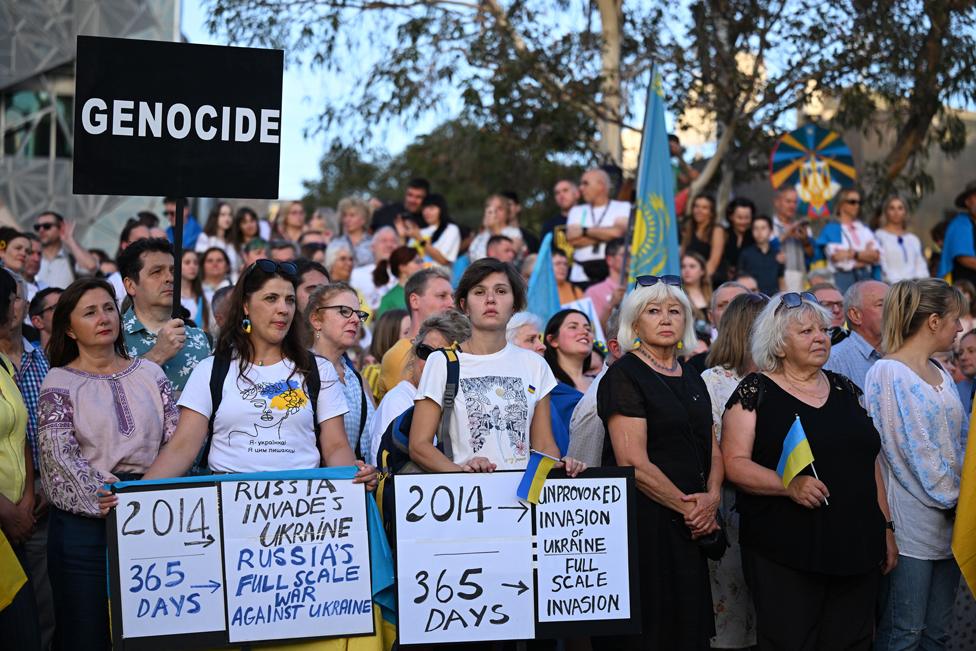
pixel 213 586
pixel 520 585
pixel 206 543
pixel 521 506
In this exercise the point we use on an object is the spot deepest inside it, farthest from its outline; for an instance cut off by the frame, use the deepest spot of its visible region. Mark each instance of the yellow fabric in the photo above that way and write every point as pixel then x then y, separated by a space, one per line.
pixel 964 532
pixel 12 577
pixel 371 374
pixel 13 437
pixel 382 640
pixel 393 366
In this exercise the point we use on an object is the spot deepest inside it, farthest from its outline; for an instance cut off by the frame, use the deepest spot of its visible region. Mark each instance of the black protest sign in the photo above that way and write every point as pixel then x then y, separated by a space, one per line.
pixel 159 118
pixel 474 563
pixel 208 562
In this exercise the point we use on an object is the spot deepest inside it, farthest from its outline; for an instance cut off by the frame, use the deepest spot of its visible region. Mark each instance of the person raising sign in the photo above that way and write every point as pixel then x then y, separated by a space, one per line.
pixel 502 406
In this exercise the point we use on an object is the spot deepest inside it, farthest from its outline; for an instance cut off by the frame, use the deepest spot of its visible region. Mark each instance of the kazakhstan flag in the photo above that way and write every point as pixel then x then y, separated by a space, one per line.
pixel 654 243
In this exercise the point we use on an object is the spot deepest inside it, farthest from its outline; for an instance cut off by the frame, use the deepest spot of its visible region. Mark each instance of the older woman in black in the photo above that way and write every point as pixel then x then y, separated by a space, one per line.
pixel 658 414
pixel 813 551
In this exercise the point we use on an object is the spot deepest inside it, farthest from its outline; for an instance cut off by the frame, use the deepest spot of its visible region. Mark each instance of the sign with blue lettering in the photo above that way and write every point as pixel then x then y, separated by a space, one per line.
pixel 475 563
pixel 232 559
pixel 159 118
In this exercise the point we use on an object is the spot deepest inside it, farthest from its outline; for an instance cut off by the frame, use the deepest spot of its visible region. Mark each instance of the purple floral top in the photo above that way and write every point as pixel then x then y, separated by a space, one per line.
pixel 93 426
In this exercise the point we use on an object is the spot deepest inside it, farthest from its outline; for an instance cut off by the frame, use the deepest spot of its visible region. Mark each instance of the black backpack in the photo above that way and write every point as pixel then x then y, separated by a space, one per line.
pixel 393 455
pixel 218 373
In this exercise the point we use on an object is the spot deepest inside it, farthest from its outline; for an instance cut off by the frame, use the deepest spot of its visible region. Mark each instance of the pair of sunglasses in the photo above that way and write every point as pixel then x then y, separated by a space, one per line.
pixel 270 267
pixel 794 299
pixel 650 281
pixel 423 351
pixel 345 311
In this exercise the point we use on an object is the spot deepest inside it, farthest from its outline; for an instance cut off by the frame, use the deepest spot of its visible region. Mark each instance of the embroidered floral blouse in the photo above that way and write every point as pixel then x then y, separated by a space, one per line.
pixel 91 427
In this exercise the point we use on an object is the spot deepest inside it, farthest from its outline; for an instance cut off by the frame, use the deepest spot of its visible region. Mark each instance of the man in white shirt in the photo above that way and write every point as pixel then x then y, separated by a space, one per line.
pixel 590 225
pixel 60 253
pixel 794 236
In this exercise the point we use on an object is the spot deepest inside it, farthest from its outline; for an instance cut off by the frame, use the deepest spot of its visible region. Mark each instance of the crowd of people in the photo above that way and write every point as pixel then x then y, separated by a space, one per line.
pixel 326 338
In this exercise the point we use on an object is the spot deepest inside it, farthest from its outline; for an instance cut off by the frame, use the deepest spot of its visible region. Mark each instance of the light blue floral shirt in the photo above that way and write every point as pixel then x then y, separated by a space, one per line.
pixel 138 341
pixel 923 439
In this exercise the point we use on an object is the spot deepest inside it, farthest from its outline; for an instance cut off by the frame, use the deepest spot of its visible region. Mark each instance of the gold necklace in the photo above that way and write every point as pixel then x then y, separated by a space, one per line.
pixel 807 392
pixel 656 364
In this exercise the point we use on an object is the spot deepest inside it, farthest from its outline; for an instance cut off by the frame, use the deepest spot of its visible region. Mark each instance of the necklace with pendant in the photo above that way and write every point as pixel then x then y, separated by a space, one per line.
pixel 646 355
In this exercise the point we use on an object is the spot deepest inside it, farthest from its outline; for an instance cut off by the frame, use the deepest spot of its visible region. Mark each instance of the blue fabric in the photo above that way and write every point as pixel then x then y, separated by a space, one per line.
pixel 832 234
pixel 380 556
pixel 965 389
pixel 33 370
pixel 853 357
pixel 462 263
pixel 958 241
pixel 191 231
pixel 654 247
pixel 543 296
pixel 562 401
pixel 916 604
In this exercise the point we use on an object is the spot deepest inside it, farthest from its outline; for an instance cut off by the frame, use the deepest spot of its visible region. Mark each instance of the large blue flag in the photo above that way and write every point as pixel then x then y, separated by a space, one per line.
pixel 654 243
pixel 543 296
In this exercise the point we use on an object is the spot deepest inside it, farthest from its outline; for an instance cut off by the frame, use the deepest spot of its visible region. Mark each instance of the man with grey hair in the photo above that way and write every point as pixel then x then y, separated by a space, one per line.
pixel 586 442
pixel 721 298
pixel 795 238
pixel 863 305
pixel 438 331
pixel 591 225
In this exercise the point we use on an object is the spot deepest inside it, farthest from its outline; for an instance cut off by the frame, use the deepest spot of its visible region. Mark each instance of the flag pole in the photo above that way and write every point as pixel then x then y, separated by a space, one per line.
pixel 814 469
pixel 629 242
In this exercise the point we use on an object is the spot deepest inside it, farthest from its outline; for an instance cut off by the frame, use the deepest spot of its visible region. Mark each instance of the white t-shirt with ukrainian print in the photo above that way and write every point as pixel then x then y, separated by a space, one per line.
pixel 264 422
pixel 495 402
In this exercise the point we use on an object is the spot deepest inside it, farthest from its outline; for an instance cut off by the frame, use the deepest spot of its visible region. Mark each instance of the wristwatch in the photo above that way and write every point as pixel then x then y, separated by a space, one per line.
pixel 585 231
pixel 890 524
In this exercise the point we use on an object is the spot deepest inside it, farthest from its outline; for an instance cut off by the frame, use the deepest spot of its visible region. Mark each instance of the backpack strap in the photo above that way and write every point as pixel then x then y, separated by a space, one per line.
pixel 218 373
pixel 313 382
pixel 450 392
pixel 362 406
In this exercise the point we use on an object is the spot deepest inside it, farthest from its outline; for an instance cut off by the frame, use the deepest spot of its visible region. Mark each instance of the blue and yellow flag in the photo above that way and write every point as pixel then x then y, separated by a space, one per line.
pixel 964 531
pixel 796 455
pixel 530 488
pixel 654 232
pixel 543 295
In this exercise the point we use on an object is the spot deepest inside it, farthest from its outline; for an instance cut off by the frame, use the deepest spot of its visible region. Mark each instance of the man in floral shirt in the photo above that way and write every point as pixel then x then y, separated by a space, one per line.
pixel 146 267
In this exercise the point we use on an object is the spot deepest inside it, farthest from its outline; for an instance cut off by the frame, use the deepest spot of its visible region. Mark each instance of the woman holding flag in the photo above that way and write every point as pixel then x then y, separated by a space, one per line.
pixel 923 427
pixel 802 453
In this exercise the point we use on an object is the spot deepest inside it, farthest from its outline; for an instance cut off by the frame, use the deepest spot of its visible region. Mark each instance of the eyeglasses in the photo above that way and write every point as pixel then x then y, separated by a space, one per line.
pixel 793 299
pixel 855 202
pixel 270 267
pixel 756 297
pixel 169 213
pixel 43 226
pixel 345 311
pixel 650 281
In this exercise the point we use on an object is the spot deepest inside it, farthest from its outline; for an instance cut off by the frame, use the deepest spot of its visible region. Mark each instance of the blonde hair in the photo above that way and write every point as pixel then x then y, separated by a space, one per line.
pixel 730 350
pixel 770 327
pixel 637 301
pixel 354 204
pixel 909 304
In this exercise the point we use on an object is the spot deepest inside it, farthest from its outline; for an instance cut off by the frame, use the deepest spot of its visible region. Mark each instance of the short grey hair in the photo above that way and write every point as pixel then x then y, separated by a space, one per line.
pixel 602 173
pixel 452 324
pixel 769 330
pixel 731 283
pixel 518 320
pixel 637 301
pixel 613 324
pixel 332 252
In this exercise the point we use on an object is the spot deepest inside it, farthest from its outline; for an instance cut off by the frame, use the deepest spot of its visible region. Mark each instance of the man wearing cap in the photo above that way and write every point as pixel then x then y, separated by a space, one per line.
pixel 959 250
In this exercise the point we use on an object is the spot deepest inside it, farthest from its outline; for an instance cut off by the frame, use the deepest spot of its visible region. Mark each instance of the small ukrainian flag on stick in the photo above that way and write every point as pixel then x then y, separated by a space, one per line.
pixel 796 455
pixel 530 488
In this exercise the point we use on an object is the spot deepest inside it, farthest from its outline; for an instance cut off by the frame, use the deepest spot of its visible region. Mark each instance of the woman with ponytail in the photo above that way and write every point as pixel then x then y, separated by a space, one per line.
pixel 403 263
pixel 569 342
pixel 920 417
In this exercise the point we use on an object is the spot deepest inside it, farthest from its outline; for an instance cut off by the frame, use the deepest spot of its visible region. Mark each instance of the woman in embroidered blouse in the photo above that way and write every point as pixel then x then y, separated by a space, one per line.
pixel 728 362
pixel 923 428
pixel 129 414
pixel 813 550
pixel 901 250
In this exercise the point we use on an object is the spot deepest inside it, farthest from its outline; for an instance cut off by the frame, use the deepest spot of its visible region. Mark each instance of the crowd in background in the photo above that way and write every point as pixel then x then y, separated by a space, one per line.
pixel 328 335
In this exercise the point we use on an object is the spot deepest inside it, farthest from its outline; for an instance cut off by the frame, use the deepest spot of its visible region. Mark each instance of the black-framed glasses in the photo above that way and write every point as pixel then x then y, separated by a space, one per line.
pixel 793 299
pixel 423 351
pixel 650 281
pixel 43 226
pixel 345 311
pixel 270 267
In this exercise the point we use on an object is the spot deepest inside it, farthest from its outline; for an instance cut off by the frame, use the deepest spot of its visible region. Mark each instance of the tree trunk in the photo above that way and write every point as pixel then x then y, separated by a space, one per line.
pixel 724 194
pixel 712 166
pixel 611 24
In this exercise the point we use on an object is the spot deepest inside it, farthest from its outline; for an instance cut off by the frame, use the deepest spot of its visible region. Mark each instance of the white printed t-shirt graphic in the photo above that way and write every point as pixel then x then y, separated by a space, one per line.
pixel 590 217
pixel 264 422
pixel 496 399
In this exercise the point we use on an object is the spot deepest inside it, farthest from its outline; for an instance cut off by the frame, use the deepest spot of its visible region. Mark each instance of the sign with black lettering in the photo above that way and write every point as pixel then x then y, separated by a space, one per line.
pixel 475 563
pixel 159 118
pixel 215 561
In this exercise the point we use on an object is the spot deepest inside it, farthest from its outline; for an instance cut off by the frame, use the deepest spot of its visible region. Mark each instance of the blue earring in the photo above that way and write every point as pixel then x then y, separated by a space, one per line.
pixel 637 342
pixel 246 325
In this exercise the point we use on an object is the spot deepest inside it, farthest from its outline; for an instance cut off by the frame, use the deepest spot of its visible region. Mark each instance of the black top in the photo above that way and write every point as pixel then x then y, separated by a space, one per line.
pixel 678 413
pixel 558 219
pixel 730 256
pixel 762 266
pixel 845 537
pixel 386 216
pixel 699 246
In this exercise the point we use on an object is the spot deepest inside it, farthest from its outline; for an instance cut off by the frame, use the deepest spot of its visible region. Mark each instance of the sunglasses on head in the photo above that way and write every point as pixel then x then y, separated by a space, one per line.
pixel 756 297
pixel 650 281
pixel 794 299
pixel 423 351
pixel 270 267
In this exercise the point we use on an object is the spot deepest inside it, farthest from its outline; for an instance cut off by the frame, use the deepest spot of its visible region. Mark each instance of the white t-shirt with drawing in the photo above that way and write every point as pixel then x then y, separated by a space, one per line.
pixel 264 422
pixel 496 399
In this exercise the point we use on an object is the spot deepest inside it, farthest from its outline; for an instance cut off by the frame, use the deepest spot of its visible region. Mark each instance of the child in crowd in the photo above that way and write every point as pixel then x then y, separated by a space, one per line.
pixel 759 259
